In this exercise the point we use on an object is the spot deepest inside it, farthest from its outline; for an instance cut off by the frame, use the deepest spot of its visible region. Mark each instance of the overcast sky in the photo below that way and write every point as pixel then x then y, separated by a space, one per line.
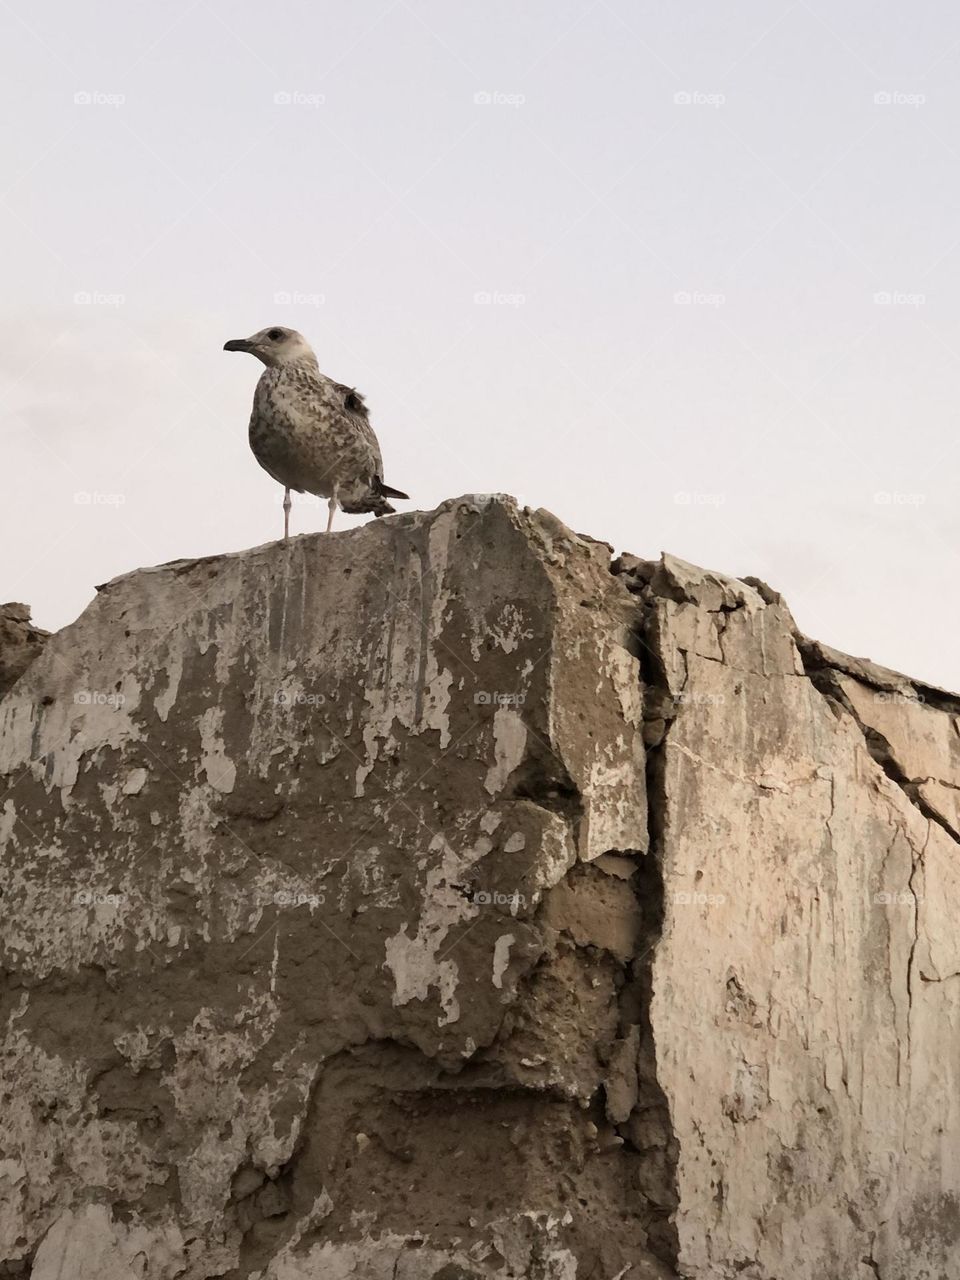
pixel 686 274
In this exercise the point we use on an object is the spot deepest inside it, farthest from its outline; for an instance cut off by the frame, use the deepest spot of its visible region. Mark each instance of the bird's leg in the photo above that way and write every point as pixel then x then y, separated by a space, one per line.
pixel 331 508
pixel 287 504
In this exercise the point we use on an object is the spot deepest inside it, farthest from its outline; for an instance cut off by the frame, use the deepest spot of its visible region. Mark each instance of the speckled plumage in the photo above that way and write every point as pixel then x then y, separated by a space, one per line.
pixel 312 434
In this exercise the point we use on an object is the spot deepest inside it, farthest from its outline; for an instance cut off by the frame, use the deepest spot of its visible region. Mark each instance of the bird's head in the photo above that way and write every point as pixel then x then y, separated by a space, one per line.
pixel 275 346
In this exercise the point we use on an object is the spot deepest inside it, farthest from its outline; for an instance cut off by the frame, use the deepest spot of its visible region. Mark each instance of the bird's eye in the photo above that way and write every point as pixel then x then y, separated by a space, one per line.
pixel 275 335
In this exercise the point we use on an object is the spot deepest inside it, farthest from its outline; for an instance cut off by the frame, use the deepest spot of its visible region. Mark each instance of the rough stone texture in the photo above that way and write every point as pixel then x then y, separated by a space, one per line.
pixel 807 1036
pixel 20 643
pixel 428 900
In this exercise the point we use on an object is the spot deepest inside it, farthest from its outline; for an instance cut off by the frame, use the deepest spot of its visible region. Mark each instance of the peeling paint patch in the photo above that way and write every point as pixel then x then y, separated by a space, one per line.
pixel 415 969
pixel 510 740
pixel 624 674
pixel 417 962
pixel 501 958
pixel 220 770
pixel 135 781
pixel 163 702
pixel 7 821
pixel 89 1245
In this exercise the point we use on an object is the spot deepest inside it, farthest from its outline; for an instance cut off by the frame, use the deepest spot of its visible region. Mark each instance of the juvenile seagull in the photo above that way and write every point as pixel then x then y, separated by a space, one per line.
pixel 312 434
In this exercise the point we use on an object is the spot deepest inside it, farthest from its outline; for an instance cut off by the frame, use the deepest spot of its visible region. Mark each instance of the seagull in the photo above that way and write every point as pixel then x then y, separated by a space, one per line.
pixel 312 434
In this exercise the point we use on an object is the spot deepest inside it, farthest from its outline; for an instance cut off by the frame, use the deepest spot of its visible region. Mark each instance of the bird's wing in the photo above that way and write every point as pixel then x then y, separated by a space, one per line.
pixel 351 404
pixel 340 414
pixel 351 399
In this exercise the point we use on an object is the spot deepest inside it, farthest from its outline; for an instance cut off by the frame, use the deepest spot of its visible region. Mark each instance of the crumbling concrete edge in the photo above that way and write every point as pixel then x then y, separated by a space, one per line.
pixel 664 663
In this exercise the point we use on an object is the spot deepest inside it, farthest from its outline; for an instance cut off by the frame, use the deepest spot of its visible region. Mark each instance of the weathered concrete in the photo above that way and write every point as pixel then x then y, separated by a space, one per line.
pixel 807 1038
pixel 20 643
pixel 427 900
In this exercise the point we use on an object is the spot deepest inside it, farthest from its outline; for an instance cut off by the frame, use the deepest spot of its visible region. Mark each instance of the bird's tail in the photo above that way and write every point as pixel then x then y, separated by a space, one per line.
pixel 374 500
pixel 385 491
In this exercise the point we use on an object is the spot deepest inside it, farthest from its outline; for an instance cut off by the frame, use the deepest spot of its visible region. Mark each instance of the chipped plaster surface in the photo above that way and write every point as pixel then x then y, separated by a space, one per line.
pixel 343 937
pixel 269 814
pixel 509 740
pixel 797 1034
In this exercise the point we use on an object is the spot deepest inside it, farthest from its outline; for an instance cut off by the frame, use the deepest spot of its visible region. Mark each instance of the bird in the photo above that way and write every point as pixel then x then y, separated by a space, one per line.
pixel 311 434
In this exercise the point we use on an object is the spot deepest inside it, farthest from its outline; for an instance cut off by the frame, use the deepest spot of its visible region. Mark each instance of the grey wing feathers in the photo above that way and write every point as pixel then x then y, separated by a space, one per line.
pixel 353 401
pixel 356 410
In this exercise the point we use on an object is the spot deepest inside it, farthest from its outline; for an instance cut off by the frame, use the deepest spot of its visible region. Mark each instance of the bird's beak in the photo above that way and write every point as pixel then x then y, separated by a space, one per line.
pixel 237 344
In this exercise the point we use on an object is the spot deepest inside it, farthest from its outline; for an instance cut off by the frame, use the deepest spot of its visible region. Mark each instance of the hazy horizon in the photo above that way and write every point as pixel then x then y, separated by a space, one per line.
pixel 681 275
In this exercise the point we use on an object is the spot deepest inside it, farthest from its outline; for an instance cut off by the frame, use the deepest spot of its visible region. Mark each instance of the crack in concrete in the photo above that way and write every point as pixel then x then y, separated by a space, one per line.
pixel 824 680
pixel 916 860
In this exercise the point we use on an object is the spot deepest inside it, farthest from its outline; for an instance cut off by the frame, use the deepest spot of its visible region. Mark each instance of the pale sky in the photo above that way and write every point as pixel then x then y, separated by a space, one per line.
pixel 685 274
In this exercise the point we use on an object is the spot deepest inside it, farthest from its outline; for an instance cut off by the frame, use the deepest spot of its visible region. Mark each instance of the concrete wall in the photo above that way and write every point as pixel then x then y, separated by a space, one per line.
pixel 428 900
